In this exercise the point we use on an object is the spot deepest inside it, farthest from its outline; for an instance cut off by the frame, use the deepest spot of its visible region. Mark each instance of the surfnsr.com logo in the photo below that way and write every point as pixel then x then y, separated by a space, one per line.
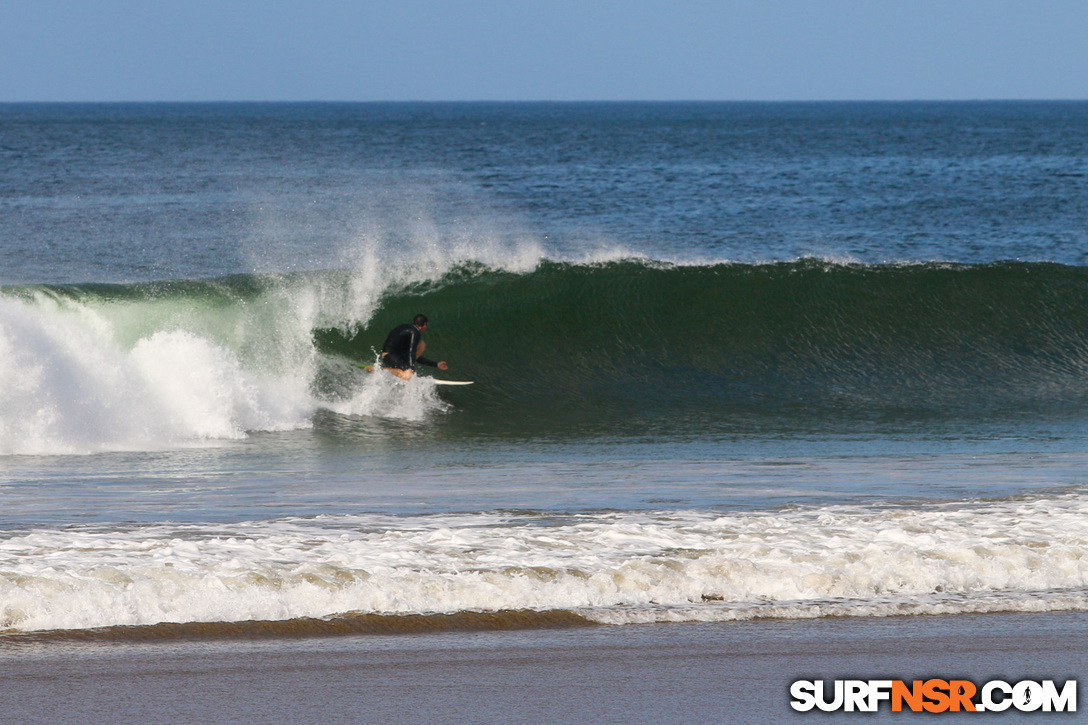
pixel 934 695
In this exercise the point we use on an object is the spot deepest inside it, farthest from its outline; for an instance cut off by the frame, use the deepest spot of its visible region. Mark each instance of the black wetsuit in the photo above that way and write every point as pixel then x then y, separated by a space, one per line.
pixel 399 350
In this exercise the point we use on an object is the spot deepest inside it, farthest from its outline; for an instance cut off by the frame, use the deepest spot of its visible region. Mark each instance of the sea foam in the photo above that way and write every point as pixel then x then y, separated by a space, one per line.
pixel 160 365
pixel 1029 555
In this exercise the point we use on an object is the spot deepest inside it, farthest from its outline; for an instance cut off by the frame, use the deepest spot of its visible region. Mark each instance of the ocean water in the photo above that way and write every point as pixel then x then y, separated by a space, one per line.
pixel 730 362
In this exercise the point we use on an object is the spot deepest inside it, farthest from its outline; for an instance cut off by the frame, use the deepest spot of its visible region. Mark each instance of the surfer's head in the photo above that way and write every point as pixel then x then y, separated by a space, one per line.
pixel 420 321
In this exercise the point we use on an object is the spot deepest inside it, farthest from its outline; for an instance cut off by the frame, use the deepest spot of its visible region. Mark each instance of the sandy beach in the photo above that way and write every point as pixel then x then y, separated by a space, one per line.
pixel 683 673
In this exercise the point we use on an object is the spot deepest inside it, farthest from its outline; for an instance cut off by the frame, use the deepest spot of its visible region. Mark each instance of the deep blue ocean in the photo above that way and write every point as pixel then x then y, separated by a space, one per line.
pixel 730 361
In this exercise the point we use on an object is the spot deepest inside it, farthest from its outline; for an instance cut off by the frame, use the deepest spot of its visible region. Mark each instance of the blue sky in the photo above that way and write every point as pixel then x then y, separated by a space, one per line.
pixel 359 50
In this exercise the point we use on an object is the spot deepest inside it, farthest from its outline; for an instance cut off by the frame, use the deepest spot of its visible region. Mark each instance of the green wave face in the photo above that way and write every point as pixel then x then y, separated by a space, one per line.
pixel 654 342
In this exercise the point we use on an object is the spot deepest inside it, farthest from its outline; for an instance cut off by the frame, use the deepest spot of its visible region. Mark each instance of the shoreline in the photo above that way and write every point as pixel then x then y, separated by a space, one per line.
pixel 652 673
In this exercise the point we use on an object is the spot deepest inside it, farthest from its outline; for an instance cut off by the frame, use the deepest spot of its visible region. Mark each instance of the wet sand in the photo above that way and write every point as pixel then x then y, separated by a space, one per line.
pixel 683 673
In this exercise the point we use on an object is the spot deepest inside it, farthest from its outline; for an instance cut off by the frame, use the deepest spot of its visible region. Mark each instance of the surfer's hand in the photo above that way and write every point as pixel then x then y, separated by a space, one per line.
pixel 443 366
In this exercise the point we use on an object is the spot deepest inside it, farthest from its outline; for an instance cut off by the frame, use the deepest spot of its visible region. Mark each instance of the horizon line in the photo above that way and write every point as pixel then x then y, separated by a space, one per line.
pixel 541 101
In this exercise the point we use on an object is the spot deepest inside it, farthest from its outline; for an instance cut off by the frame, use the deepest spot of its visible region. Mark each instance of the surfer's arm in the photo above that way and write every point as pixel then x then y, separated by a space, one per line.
pixel 431 364
pixel 419 347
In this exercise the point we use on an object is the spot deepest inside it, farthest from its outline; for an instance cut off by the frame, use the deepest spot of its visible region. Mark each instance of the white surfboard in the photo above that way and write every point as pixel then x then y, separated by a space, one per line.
pixel 371 368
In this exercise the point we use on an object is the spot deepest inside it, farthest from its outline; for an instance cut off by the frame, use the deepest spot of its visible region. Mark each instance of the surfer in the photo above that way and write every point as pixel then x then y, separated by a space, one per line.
pixel 404 348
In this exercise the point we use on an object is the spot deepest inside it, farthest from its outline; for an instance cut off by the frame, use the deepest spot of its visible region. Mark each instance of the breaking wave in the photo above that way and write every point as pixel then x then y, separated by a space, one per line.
pixel 551 345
